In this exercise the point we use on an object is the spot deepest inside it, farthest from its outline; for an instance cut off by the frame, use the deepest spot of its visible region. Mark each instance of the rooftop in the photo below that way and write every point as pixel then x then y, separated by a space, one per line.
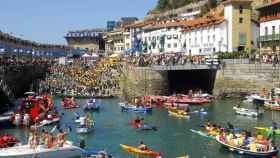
pixel 268 5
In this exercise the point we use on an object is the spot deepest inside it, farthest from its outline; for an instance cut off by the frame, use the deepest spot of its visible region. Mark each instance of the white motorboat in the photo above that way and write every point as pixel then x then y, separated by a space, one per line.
pixel 24 151
pixel 247 112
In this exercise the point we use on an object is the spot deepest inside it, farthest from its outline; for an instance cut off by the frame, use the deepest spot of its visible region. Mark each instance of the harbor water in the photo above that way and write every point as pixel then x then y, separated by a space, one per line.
pixel 173 137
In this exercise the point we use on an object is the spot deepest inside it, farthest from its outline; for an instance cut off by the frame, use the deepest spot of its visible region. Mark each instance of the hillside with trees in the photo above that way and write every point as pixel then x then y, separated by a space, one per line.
pixel 166 5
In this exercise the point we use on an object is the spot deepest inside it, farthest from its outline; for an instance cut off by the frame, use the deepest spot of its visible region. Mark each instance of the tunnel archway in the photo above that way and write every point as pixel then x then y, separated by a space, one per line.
pixel 181 81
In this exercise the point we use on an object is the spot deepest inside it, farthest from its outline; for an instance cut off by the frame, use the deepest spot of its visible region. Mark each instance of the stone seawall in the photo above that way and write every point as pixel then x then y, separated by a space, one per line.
pixel 234 78
pixel 138 81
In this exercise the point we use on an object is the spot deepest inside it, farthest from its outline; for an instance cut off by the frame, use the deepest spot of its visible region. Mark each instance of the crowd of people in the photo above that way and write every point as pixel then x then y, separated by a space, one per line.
pixel 167 59
pixel 82 80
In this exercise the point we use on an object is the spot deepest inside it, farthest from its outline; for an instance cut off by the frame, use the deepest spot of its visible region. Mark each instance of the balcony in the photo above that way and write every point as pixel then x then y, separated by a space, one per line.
pixel 266 38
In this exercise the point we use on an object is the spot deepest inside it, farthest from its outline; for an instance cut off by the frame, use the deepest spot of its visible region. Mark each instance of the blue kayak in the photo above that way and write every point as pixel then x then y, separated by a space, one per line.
pixel 132 108
pixel 94 154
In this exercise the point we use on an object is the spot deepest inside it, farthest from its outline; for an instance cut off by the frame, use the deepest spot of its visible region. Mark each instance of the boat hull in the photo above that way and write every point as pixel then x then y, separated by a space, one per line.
pixel 247 152
pixel 25 152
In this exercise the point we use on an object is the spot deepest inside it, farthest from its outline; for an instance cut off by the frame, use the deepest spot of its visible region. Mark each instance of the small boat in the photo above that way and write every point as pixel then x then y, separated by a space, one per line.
pixel 204 134
pixel 259 99
pixel 24 151
pixel 96 154
pixel 272 105
pixel 133 108
pixel 48 121
pixel 140 152
pixel 247 112
pixel 179 114
pixel 92 105
pixel 246 151
pixel 268 130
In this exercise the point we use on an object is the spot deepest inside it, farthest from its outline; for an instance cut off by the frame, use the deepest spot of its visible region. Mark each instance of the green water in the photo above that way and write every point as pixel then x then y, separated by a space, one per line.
pixel 173 137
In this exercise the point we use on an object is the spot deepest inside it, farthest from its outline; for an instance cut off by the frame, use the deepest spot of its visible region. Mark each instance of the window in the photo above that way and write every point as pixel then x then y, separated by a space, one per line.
pixel 208 39
pixel 175 45
pixel 273 30
pixel 266 31
pixel 240 20
pixel 214 50
pixel 195 41
pixel 214 38
pixel 201 39
pixel 169 45
pixel 240 9
pixel 149 38
pixel 190 41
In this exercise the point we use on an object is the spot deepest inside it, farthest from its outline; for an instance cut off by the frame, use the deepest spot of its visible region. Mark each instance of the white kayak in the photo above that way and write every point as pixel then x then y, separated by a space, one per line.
pixel 46 122
pixel 24 151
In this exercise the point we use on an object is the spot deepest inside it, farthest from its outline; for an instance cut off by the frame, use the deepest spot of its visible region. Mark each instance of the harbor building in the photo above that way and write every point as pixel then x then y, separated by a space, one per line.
pixel 269 27
pixel 88 40
pixel 115 41
pixel 217 31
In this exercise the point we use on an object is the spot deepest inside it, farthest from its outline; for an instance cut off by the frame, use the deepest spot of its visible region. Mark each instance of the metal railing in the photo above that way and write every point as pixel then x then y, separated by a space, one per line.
pixel 271 37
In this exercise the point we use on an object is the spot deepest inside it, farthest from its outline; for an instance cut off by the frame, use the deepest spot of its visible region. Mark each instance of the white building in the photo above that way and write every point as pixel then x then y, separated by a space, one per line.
pixel 227 29
pixel 270 28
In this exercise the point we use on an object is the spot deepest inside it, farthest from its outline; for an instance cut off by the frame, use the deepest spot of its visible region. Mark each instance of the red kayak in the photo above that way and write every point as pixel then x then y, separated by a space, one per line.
pixel 7 141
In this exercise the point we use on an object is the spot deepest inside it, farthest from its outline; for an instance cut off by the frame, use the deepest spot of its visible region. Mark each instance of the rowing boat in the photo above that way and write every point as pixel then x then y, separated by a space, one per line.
pixel 244 151
pixel 140 152
pixel 24 151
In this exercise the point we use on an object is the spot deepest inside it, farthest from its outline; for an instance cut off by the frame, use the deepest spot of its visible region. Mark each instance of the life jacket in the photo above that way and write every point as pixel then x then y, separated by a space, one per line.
pixel 34 112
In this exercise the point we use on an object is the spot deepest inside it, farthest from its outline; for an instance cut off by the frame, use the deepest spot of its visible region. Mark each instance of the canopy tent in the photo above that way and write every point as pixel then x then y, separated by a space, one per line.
pixel 86 55
pixel 94 55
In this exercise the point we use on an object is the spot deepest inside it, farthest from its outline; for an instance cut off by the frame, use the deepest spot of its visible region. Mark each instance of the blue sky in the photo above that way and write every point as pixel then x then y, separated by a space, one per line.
pixel 49 20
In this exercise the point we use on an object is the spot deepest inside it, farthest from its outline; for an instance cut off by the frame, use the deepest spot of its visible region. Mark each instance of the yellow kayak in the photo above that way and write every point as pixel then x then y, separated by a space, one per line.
pixel 179 115
pixel 183 156
pixel 140 152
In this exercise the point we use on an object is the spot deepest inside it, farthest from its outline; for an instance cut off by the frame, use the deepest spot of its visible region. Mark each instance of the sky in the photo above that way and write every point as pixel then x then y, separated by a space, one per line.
pixel 48 21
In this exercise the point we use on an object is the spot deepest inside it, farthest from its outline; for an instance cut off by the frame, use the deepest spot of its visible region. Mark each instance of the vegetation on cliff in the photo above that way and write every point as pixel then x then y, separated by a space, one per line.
pixel 166 5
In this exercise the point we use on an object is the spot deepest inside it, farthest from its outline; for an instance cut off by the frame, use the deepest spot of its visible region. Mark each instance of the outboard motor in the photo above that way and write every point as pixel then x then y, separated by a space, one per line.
pixel 26 119
pixel 82 121
pixel 17 120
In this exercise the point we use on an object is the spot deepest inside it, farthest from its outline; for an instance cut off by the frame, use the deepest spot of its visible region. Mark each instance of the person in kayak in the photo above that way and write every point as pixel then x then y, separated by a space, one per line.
pixel 142 146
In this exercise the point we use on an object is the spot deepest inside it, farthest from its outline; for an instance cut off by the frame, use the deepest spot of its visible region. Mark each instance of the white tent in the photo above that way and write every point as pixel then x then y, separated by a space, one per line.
pixel 94 55
pixel 86 55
